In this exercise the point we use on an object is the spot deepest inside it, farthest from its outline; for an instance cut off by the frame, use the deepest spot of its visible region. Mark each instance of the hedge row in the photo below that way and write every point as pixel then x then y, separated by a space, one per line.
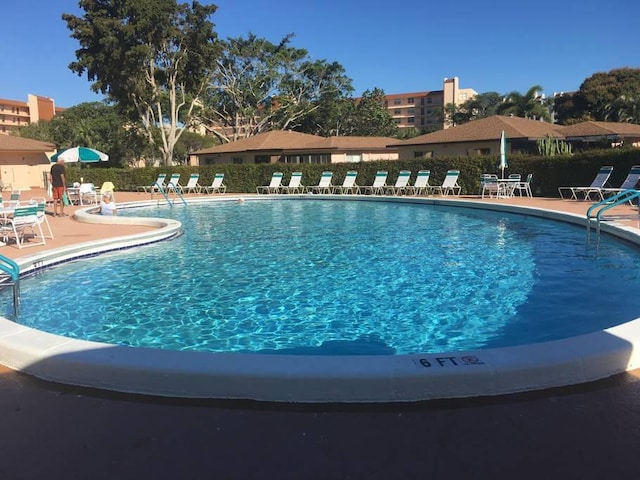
pixel 548 172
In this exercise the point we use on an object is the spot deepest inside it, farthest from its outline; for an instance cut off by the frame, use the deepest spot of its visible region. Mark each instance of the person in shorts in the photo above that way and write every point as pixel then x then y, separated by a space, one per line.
pixel 59 187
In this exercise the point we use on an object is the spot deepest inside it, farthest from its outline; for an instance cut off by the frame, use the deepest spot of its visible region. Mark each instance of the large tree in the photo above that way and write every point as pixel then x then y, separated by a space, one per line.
pixel 527 105
pixel 152 57
pixel 370 116
pixel 611 96
pixel 260 86
pixel 479 106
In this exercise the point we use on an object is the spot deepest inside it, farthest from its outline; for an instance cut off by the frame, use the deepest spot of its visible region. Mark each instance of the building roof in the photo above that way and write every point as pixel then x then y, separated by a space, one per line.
pixel 281 140
pixel 19 144
pixel 489 128
pixel 602 129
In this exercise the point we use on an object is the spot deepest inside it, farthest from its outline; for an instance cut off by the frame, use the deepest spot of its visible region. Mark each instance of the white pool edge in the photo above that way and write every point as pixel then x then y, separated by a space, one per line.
pixel 285 378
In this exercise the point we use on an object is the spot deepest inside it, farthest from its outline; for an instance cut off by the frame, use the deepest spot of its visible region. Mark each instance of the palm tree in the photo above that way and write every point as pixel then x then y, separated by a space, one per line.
pixel 529 105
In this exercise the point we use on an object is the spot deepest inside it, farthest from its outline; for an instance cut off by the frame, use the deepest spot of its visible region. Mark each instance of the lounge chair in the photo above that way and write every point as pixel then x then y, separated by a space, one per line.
pixel 596 186
pixel 295 184
pixel 274 184
pixel 400 186
pixel 107 187
pixel 348 185
pixel 192 184
pixel 324 184
pixel 629 183
pixel 449 185
pixel 157 186
pixel 174 183
pixel 421 185
pixel 379 184
pixel 216 186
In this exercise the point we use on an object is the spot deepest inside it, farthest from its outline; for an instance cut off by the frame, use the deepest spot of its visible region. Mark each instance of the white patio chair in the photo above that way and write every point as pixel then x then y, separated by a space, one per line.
pixel 24 219
pixel 449 185
pixel 157 186
pixel 596 186
pixel 295 184
pixel 421 185
pixel 192 184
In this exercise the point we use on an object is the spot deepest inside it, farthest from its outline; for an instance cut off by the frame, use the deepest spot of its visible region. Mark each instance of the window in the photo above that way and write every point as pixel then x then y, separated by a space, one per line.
pixel 411 111
pixel 463 97
pixel 429 100
pixel 397 102
pixel 418 154
pixel 262 159
pixel 397 121
pixel 236 160
pixel 411 120
pixel 411 100
pixel 397 112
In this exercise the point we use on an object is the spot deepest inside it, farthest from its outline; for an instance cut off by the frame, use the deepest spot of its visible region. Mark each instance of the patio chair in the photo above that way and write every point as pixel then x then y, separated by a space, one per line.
pixel 379 183
pixel 107 187
pixel 295 184
pixel 41 206
pixel 216 186
pixel 14 199
pixel 629 183
pixel 348 185
pixel 23 219
pixel 400 186
pixel 421 185
pixel 156 186
pixel 525 186
pixel 449 185
pixel 324 184
pixel 489 185
pixel 596 186
pixel 274 184
pixel 192 184
pixel 87 194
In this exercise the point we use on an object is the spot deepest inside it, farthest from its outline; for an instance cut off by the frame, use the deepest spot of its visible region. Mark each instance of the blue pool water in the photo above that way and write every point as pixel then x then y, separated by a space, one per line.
pixel 340 277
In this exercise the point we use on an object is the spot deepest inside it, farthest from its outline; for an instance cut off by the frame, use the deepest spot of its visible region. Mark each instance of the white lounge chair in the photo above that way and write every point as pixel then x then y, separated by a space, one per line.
pixel 400 186
pixel 157 186
pixel 274 184
pixel 449 185
pixel 41 206
pixel 348 185
pixel 421 185
pixel 295 184
pixel 87 194
pixel 216 186
pixel 379 183
pixel 174 183
pixel 192 184
pixel 324 184
pixel 596 186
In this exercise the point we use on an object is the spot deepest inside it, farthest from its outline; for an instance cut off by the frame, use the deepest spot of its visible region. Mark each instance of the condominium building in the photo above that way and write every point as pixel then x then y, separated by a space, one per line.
pixel 15 114
pixel 425 110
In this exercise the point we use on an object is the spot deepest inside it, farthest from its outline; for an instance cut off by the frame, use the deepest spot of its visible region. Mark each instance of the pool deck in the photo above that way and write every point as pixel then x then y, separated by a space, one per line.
pixel 54 431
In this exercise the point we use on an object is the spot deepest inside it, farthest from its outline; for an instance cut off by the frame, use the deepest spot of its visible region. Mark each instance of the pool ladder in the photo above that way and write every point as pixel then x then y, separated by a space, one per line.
pixel 165 193
pixel 595 211
pixel 12 270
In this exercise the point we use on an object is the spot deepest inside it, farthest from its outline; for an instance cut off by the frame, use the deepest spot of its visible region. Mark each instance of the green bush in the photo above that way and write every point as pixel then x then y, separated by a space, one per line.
pixel 548 172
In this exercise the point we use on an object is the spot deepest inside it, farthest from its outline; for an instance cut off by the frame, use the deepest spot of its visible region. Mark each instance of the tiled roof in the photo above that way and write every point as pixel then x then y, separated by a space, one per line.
pixel 489 128
pixel 279 140
pixel 600 129
pixel 13 143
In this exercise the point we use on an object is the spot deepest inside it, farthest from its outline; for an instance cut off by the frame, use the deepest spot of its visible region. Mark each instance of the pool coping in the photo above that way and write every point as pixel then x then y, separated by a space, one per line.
pixel 286 378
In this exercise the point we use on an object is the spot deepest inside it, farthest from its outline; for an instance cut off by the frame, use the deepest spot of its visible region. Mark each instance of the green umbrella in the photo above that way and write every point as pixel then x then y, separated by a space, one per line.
pixel 80 154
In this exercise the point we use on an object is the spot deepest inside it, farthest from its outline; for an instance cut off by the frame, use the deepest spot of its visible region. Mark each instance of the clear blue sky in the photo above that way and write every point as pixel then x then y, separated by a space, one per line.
pixel 404 46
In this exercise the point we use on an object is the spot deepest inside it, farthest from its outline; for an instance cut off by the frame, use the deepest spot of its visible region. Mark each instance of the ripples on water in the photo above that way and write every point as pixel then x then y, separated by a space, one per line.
pixel 323 277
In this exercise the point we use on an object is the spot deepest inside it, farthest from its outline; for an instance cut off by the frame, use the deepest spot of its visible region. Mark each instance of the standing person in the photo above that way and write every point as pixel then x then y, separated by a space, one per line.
pixel 59 187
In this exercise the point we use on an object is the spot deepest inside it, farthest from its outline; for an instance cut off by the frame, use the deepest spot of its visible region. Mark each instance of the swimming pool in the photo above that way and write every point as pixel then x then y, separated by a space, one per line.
pixel 340 278
pixel 318 377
